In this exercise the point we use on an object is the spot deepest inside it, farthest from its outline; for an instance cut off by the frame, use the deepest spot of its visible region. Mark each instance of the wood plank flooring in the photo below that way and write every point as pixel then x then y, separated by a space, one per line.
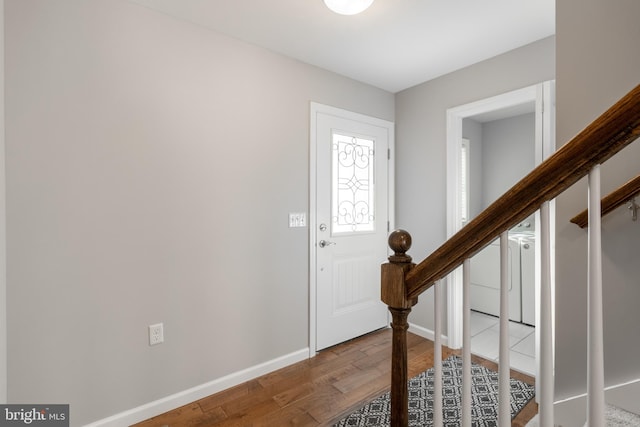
pixel 315 392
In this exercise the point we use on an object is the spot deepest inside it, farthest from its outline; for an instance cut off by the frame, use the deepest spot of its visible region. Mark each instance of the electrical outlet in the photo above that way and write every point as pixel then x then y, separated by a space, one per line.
pixel 156 334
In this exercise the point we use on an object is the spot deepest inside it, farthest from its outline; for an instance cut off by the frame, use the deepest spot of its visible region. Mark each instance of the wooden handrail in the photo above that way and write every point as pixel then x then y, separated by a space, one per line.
pixel 604 137
pixel 612 201
pixel 402 281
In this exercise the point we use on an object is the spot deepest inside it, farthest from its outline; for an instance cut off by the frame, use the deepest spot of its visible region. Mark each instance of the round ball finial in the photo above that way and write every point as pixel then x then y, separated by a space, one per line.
pixel 400 243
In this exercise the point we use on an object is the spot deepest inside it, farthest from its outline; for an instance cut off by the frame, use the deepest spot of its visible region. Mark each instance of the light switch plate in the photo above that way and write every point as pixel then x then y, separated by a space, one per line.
pixel 297 219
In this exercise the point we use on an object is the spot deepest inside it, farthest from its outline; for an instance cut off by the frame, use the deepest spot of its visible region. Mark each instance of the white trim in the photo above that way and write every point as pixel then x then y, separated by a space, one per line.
pixel 426 333
pixel 168 403
pixel 454 135
pixel 315 109
pixel 572 411
pixel 504 367
pixel 454 221
pixel 545 143
pixel 391 179
pixel 437 354
pixel 595 316
pixel 466 343
pixel 313 224
pixel 464 143
pixel 545 383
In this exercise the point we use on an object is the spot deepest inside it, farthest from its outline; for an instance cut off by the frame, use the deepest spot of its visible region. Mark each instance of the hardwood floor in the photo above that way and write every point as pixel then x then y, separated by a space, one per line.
pixel 315 392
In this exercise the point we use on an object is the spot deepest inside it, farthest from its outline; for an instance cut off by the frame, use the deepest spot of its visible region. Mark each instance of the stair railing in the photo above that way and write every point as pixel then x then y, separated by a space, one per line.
pixel 403 281
pixel 624 194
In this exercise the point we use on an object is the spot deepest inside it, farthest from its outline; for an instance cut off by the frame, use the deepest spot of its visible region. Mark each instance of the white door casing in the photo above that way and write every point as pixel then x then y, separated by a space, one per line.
pixel 544 96
pixel 350 215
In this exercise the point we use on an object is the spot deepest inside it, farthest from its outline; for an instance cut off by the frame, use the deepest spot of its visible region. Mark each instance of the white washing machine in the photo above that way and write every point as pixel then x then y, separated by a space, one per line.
pixel 485 280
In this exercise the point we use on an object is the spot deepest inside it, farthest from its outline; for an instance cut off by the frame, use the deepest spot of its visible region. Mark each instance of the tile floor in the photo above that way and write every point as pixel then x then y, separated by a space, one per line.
pixel 485 337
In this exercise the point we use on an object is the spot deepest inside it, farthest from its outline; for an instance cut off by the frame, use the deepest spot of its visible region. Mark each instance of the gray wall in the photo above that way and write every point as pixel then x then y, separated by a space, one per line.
pixel 502 152
pixel 507 154
pixel 3 222
pixel 151 165
pixel 421 142
pixel 598 61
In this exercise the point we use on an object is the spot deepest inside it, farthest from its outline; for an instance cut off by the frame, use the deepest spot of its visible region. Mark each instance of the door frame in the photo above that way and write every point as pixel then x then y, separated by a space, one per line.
pixel 315 109
pixel 542 93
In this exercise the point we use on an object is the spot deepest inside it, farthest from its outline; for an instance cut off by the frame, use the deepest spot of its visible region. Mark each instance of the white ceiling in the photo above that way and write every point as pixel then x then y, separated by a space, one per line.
pixel 393 45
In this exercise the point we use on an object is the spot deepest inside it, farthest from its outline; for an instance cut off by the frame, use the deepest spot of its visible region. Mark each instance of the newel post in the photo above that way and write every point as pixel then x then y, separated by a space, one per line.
pixel 394 295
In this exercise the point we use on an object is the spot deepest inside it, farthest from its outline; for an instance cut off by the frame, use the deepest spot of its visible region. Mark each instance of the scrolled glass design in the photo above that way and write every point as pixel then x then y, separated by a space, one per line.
pixel 352 207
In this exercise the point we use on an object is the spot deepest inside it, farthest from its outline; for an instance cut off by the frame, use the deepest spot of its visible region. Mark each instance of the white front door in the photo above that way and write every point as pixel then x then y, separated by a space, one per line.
pixel 349 223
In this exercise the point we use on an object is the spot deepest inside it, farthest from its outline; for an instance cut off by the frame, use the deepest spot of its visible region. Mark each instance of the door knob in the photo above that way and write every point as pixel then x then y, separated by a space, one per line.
pixel 323 243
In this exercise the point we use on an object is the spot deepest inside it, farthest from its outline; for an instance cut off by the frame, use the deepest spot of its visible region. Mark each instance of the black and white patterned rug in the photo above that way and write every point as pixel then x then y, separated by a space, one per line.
pixel 484 391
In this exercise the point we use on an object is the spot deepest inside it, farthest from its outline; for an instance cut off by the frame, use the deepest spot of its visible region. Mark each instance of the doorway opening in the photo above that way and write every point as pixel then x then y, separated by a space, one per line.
pixel 491 134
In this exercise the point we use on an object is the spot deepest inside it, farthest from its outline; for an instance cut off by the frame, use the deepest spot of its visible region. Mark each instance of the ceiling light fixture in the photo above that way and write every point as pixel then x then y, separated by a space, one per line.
pixel 348 7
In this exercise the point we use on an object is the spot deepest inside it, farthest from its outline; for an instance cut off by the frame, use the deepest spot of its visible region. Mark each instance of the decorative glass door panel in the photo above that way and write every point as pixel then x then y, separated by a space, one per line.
pixel 352 184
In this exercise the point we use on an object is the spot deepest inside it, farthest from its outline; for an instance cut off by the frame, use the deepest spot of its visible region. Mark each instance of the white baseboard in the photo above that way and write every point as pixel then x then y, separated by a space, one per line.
pixel 573 411
pixel 168 403
pixel 426 333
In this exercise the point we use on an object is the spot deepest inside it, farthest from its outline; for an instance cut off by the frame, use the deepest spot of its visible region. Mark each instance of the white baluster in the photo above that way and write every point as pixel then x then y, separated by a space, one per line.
pixel 546 386
pixel 437 355
pixel 595 352
pixel 504 388
pixel 466 343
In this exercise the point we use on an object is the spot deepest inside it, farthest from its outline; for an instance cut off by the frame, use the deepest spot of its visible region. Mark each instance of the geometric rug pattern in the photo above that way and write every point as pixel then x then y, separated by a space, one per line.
pixel 484 391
